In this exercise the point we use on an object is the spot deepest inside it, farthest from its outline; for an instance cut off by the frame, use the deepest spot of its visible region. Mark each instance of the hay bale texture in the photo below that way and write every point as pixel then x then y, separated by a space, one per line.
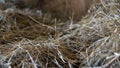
pixel 32 38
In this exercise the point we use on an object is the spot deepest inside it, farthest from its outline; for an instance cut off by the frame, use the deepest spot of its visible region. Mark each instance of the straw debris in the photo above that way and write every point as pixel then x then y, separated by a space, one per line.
pixel 30 38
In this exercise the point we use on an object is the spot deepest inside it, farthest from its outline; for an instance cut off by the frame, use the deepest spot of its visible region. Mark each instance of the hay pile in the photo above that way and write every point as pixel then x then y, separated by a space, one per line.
pixel 32 39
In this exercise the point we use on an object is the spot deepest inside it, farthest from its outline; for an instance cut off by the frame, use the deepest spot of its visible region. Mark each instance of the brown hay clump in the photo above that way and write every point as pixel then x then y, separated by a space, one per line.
pixel 31 39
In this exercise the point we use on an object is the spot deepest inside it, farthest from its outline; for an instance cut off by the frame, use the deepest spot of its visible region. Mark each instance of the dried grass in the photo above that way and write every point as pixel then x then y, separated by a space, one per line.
pixel 32 39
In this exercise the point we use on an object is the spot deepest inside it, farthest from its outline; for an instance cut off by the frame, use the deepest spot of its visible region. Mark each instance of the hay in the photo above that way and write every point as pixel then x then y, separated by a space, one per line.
pixel 32 39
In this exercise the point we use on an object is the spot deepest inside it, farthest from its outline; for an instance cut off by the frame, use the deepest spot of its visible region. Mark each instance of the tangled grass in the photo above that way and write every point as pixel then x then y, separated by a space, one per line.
pixel 32 39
